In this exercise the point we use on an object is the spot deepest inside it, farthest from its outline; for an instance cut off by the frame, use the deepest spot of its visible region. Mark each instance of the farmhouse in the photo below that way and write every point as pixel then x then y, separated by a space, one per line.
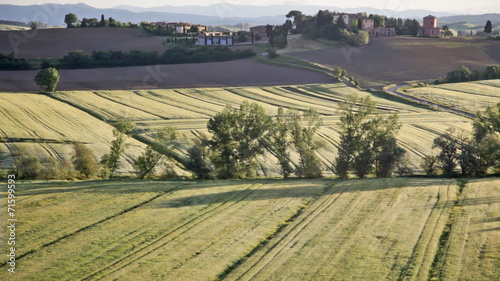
pixel 350 20
pixel 179 27
pixel 214 38
pixel 368 26
pixel 259 29
pixel 430 27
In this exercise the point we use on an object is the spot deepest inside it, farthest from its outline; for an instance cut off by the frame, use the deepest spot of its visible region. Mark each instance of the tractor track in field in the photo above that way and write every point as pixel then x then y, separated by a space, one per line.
pixel 294 231
pixel 183 228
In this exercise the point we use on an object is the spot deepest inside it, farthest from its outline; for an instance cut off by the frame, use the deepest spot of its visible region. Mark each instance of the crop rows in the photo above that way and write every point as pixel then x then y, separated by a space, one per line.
pixel 470 96
pixel 148 230
pixel 359 230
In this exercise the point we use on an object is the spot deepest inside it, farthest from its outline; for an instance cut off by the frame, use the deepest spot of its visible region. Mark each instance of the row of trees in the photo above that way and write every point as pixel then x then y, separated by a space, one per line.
pixel 474 155
pixel 465 74
pixel 71 20
pixel 10 62
pixel 367 146
pixel 174 55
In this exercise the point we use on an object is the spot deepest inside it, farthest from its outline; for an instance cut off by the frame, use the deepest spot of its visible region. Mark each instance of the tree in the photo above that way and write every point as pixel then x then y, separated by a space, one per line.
pixel 47 79
pixel 488 27
pixel 85 161
pixel 103 21
pixel 237 139
pixel 341 23
pixel 352 126
pixel 28 167
pixel 33 25
pixel 111 161
pixel 280 141
pixel 162 146
pixel 366 144
pixel 199 164
pixel 70 20
pixel 429 164
pixel 194 29
pixel 303 139
pixel 448 152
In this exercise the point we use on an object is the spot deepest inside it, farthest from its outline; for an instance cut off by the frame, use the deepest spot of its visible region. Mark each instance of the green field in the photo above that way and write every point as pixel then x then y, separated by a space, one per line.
pixel 9 27
pixel 379 229
pixel 468 96
pixel 50 124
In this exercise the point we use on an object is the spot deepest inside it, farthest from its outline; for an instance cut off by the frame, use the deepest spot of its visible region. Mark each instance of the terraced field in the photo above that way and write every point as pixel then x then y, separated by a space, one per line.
pixel 470 96
pixel 189 110
pixel 378 229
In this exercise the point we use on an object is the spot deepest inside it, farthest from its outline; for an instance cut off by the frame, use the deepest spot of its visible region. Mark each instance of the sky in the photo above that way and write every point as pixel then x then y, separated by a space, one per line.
pixel 436 5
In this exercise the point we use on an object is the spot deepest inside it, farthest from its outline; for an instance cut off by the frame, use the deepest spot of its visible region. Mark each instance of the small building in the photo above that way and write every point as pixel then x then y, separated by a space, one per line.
pixel 259 29
pixel 430 27
pixel 179 27
pixel 367 23
pixel 351 20
pixel 381 31
pixel 214 38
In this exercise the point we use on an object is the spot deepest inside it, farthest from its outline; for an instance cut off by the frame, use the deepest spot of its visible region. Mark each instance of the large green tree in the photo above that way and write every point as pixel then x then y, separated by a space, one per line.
pixel 85 161
pixel 280 140
pixel 70 20
pixel 47 79
pixel 237 139
pixel 367 144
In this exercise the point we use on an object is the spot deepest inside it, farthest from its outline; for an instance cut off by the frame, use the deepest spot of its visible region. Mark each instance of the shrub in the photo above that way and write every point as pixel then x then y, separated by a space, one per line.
pixel 85 161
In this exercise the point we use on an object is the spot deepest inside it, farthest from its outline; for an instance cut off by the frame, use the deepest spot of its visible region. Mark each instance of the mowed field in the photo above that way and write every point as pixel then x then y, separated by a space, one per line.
pixel 470 97
pixel 396 59
pixel 57 42
pixel 189 110
pixel 379 229
pixel 38 125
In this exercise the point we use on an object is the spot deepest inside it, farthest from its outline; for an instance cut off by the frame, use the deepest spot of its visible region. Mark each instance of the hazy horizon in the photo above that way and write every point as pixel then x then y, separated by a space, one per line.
pixel 458 6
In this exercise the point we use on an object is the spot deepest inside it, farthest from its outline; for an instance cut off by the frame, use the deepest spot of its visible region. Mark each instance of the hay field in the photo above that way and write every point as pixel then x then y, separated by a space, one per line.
pixel 146 230
pixel 44 127
pixel 468 96
pixel 473 251
pixel 189 110
pixel 375 229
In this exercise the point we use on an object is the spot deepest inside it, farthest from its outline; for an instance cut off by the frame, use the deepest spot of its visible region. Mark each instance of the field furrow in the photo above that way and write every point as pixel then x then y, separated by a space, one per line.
pixel 361 230
pixel 473 249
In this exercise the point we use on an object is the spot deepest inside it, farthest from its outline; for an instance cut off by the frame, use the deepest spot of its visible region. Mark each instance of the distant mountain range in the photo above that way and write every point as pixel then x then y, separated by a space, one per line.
pixel 217 14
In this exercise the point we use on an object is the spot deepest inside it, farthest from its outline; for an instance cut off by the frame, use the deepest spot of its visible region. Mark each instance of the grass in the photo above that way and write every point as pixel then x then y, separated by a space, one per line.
pixel 147 230
pixel 467 96
pixel 376 229
pixel 472 250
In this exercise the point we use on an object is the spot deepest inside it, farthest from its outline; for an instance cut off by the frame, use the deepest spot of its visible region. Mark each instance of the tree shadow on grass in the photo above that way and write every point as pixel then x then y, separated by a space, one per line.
pixel 284 188
pixel 297 189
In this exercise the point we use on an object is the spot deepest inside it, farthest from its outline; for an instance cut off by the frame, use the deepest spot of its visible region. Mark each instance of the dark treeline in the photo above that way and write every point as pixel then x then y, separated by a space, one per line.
pixel 174 55
pixel 9 62
pixel 464 74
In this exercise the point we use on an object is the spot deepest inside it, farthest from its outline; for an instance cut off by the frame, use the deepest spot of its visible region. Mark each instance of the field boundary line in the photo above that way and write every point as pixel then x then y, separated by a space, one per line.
pixel 201 217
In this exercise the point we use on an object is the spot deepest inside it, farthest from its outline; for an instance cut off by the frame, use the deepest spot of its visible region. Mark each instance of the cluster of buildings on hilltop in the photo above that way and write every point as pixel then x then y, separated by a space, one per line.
pixel 429 27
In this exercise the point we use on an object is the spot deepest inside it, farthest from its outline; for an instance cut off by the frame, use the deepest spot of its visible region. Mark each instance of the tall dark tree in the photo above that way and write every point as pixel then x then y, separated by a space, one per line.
pixel 103 21
pixel 70 20
pixel 488 27
pixel 341 23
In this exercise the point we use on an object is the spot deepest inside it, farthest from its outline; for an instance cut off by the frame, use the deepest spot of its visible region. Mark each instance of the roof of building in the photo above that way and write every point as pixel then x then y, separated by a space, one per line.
pixel 430 17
